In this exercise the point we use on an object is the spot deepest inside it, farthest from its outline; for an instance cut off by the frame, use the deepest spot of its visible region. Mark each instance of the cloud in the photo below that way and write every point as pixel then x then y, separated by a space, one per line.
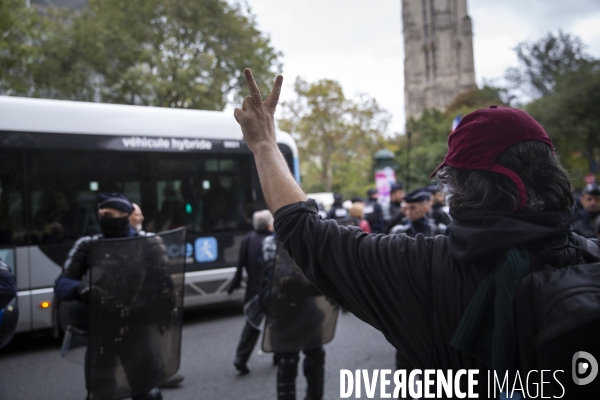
pixel 499 26
pixel 360 44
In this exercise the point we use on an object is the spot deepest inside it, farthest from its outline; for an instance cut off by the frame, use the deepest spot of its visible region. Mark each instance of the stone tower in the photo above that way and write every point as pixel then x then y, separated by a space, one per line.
pixel 438 53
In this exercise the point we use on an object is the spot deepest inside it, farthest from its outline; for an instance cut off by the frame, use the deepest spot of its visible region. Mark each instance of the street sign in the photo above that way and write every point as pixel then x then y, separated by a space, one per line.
pixel 206 249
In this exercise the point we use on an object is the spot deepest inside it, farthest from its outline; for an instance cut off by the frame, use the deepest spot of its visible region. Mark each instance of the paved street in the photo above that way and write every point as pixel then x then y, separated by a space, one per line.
pixel 31 367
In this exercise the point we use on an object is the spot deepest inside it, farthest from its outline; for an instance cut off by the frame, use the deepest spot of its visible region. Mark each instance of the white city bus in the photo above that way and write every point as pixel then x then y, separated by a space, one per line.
pixel 183 167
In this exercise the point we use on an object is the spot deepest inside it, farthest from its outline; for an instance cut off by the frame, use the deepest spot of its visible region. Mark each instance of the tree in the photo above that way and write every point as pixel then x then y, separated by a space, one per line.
pixel 168 53
pixel 476 99
pixel 430 133
pixel 336 136
pixel 541 62
pixel 19 29
pixel 570 117
pixel 175 53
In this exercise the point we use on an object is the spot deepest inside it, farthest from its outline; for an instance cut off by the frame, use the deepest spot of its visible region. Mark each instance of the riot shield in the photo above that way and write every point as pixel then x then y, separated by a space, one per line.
pixel 136 311
pixel 74 345
pixel 76 338
pixel 299 317
pixel 254 313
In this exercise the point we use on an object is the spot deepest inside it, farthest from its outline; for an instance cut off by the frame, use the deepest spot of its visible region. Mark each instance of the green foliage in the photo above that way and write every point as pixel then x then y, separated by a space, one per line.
pixel 168 53
pixel 19 31
pixel 476 99
pixel 433 126
pixel 429 135
pixel 570 117
pixel 424 159
pixel 337 136
pixel 542 61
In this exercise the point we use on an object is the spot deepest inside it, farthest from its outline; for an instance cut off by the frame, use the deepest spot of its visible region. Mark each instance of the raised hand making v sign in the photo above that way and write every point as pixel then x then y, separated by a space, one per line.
pixel 258 125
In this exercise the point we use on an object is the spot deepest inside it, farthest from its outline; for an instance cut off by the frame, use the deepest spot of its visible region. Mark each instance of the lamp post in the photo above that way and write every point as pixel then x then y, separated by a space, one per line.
pixel 382 159
pixel 384 166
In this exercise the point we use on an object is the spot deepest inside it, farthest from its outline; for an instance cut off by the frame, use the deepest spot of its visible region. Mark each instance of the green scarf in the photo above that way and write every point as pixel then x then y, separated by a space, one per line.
pixel 487 328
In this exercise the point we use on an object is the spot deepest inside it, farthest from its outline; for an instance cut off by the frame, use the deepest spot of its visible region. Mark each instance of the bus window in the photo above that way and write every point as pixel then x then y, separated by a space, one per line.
pixel 172 208
pixel 12 224
pixel 63 186
pixel 204 194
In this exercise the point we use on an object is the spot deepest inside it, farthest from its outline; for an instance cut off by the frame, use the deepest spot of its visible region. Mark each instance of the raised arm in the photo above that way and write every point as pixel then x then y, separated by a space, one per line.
pixel 384 280
pixel 258 125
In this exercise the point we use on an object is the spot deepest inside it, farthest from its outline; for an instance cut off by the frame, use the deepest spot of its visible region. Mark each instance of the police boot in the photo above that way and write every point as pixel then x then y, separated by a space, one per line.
pixel 173 381
pixel 153 394
pixel 286 378
pixel 314 371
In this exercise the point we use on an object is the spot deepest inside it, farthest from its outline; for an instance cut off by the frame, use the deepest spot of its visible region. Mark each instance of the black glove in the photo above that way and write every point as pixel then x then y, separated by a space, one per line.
pixel 83 291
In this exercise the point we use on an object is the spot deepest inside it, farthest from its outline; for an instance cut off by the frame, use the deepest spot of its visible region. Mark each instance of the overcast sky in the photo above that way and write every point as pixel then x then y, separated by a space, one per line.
pixel 360 44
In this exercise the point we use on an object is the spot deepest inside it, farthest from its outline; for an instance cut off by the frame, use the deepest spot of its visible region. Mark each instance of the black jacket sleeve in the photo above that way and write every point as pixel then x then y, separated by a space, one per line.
pixel 384 280
pixel 395 220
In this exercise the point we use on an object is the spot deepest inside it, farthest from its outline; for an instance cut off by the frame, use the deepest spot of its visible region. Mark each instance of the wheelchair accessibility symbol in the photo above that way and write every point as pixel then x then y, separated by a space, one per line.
pixel 206 249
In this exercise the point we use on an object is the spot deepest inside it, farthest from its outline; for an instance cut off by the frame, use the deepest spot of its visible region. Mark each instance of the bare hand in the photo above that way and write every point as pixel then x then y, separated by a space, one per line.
pixel 257 118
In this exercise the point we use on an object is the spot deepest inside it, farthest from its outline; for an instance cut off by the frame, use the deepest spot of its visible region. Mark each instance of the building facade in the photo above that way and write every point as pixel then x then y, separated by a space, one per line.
pixel 438 53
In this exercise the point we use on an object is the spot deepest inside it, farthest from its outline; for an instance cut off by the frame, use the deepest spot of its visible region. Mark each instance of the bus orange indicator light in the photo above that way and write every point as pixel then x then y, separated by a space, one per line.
pixel 45 304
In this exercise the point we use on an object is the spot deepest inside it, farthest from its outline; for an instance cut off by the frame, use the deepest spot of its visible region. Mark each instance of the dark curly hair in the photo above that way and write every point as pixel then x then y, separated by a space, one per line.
pixel 546 182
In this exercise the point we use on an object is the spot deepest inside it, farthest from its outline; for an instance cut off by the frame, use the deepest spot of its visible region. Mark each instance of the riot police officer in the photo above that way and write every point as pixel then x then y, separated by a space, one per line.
pixel 395 205
pixel 373 212
pixel 337 210
pixel 299 318
pixel 589 214
pixel 114 210
pixel 416 220
pixel 438 203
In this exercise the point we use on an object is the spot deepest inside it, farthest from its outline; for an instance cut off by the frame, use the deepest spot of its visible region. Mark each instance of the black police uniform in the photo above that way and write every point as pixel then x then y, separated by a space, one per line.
pixel 314 358
pixel 249 258
pixel 374 213
pixel 70 285
pixel 337 210
pixel 586 222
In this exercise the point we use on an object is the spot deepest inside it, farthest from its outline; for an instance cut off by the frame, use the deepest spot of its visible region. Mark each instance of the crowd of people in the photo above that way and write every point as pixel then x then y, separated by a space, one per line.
pixel 424 210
